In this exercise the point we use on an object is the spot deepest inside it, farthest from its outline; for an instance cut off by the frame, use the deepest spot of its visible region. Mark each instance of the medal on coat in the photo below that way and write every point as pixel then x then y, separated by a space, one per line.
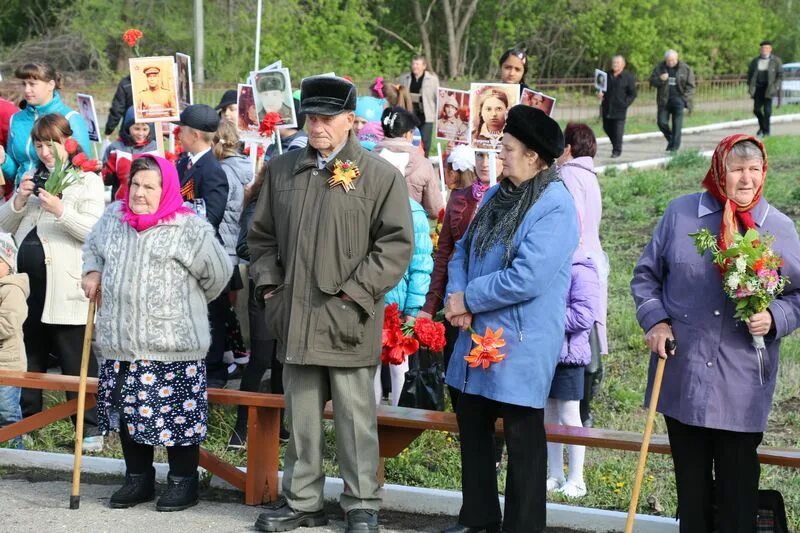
pixel 344 174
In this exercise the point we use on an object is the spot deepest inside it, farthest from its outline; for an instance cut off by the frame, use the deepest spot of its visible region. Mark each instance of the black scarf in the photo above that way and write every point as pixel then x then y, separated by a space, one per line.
pixel 497 221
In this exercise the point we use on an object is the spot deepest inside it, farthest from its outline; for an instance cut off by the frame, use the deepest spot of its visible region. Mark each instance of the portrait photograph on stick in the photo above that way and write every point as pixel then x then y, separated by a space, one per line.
pixel 155 93
pixel 600 80
pixel 247 122
pixel 452 111
pixel 185 89
pixel 273 93
pixel 489 105
pixel 88 112
pixel 539 101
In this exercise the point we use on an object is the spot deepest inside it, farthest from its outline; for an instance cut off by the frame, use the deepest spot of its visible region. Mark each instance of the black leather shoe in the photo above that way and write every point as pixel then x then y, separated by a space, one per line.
pixel 458 528
pixel 181 493
pixel 362 521
pixel 138 488
pixel 283 518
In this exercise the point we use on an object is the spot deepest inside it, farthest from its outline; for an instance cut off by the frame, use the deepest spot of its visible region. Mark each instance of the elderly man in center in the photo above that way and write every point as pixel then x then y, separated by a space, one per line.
pixel 331 235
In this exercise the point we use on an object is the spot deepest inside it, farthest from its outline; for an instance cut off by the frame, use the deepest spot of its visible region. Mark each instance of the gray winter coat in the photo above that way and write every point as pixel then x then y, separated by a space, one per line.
pixel 239 172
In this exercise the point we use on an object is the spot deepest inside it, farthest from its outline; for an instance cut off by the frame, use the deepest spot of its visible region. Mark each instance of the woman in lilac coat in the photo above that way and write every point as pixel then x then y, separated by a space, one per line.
pixel 577 170
pixel 717 388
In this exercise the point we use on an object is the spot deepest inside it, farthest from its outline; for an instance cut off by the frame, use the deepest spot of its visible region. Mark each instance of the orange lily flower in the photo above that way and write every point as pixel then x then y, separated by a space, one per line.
pixel 486 352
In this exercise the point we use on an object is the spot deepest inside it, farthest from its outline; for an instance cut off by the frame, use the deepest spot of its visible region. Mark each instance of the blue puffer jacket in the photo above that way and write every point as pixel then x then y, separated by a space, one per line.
pixel 20 155
pixel 409 294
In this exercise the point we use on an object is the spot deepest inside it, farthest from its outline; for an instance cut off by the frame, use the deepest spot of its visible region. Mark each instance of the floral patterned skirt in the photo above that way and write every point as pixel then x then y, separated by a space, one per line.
pixel 162 404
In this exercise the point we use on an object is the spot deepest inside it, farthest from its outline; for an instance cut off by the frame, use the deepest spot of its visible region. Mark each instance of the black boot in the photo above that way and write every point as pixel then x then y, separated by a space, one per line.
pixel 138 488
pixel 181 493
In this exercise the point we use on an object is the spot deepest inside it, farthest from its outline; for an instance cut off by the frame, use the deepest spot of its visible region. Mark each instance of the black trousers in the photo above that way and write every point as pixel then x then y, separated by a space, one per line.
pixel 527 465
pixel 450 336
pixel 673 136
pixel 183 460
pixel 262 356
pixel 426 132
pixel 715 468
pixel 216 369
pixel 762 107
pixel 66 344
pixel 615 129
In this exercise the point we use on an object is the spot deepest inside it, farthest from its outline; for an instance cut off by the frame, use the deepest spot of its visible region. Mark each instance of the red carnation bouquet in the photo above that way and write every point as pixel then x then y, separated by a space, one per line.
pixel 401 339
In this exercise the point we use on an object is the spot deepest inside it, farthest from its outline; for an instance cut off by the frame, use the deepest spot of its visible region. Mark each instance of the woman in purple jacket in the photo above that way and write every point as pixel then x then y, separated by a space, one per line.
pixel 566 391
pixel 717 389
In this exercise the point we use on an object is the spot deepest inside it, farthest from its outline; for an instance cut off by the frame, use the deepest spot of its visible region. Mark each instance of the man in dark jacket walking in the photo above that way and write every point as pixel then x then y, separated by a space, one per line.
pixel 674 83
pixel 620 94
pixel 205 186
pixel 764 79
pixel 331 234
pixel 123 99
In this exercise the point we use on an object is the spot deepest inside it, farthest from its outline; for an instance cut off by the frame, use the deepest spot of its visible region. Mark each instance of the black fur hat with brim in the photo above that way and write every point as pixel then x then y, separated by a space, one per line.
pixel 327 95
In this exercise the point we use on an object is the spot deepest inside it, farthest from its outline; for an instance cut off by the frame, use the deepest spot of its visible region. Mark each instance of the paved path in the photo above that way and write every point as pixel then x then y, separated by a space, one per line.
pixel 36 502
pixel 638 150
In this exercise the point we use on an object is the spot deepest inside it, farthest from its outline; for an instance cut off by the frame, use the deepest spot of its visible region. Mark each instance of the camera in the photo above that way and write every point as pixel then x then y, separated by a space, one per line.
pixel 39 179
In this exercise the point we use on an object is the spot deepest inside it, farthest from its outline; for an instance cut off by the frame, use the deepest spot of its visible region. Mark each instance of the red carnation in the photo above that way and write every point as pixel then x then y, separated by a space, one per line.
pixel 79 159
pixel 170 156
pixel 441 215
pixel 391 317
pixel 176 131
pixel 90 165
pixel 396 347
pixel 430 334
pixel 131 37
pixel 268 124
pixel 71 146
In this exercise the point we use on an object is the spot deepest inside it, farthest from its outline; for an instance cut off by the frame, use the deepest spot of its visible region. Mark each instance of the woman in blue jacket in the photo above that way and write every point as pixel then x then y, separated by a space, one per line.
pixel 409 294
pixel 511 270
pixel 40 89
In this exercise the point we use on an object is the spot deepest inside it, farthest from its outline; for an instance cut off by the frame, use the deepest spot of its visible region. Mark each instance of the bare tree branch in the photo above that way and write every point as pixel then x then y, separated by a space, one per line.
pixel 395 35
pixel 422 23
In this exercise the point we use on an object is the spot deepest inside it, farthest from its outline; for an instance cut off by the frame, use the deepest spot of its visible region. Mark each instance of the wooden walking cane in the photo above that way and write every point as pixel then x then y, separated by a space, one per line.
pixel 75 498
pixel 648 431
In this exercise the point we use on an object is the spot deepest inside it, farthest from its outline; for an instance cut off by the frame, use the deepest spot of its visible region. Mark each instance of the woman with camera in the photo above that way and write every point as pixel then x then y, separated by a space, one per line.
pixel 50 230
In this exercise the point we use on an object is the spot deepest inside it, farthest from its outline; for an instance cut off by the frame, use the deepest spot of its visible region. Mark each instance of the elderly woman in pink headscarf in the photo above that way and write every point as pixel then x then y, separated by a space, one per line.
pixel 152 266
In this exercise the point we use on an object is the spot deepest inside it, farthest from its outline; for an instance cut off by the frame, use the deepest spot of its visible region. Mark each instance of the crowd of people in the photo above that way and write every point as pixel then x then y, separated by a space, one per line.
pixel 340 221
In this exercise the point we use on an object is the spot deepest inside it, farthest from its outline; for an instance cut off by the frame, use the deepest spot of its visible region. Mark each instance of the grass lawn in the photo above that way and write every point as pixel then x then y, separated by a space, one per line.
pixel 633 202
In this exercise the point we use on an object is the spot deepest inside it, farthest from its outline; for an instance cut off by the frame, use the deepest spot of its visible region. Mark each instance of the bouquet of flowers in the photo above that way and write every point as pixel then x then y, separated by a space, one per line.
pixel 401 339
pixel 487 350
pixel 750 271
pixel 65 174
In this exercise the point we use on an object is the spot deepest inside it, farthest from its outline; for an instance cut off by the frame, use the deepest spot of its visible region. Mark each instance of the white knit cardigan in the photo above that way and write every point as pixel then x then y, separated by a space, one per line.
pixel 156 285
pixel 62 239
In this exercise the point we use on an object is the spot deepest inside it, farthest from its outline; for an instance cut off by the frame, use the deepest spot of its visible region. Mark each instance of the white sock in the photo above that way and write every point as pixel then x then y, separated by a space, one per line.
pixel 555 450
pixel 569 414
pixel 378 386
pixel 398 374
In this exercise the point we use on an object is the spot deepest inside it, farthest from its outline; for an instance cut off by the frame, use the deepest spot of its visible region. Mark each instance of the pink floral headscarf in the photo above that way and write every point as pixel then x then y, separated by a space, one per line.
pixel 171 202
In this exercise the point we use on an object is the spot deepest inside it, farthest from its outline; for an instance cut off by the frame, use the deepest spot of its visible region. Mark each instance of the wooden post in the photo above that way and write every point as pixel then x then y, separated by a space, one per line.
pixel 75 497
pixel 159 138
pixel 648 431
